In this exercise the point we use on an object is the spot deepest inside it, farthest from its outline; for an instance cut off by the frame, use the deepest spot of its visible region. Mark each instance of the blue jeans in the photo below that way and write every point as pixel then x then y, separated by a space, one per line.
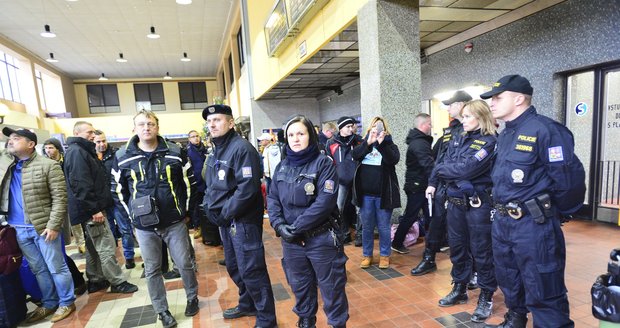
pixel 125 228
pixel 373 215
pixel 47 262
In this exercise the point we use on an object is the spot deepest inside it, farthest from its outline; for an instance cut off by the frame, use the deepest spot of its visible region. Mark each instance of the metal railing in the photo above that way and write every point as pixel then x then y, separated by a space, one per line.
pixel 610 183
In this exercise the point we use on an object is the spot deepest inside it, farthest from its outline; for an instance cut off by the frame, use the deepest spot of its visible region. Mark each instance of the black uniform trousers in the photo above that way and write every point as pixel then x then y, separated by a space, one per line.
pixel 469 237
pixel 319 262
pixel 529 261
pixel 436 236
pixel 244 253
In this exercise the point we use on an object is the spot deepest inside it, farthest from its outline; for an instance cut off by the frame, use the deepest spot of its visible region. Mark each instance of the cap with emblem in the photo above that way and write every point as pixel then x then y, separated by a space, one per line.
pixel 514 83
pixel 459 96
pixel 216 109
pixel 21 132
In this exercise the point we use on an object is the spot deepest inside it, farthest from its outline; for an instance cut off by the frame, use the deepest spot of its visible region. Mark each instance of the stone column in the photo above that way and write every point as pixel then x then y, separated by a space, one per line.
pixel 390 76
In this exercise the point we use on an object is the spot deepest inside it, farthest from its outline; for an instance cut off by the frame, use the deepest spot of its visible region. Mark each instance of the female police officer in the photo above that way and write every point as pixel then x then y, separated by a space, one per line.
pixel 301 201
pixel 467 173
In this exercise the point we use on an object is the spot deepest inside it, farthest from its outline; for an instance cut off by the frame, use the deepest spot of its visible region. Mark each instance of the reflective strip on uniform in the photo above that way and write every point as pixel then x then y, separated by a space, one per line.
pixel 141 171
pixel 186 168
pixel 176 202
pixel 135 182
pixel 119 190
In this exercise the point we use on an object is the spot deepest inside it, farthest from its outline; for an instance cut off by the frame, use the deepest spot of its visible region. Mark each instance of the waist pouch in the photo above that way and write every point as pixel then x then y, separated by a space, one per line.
pixel 145 210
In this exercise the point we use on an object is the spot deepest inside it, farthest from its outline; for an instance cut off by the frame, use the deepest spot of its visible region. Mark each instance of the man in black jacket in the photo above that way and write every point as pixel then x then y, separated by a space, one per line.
pixel 149 167
pixel 119 224
pixel 435 237
pixel 88 191
pixel 419 166
pixel 234 202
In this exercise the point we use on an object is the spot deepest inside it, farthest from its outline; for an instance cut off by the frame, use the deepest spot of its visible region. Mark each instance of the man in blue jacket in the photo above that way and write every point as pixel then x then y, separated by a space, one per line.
pixel 235 203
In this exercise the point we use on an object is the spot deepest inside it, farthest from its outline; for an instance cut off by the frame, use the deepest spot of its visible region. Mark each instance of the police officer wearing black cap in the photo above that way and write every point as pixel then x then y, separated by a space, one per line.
pixel 435 237
pixel 234 202
pixel 537 178
pixel 302 201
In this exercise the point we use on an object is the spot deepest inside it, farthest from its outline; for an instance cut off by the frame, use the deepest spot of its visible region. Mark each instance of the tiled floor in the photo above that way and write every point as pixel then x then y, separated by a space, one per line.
pixel 377 298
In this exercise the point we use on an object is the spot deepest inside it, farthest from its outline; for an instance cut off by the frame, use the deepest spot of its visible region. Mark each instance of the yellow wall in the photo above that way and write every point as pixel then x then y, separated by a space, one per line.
pixel 327 23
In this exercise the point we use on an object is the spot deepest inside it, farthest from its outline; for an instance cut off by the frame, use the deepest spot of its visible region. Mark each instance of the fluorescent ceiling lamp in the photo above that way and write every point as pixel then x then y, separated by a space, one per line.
pixel 185 58
pixel 152 35
pixel 102 77
pixel 167 76
pixel 48 32
pixel 184 2
pixel 120 58
pixel 51 58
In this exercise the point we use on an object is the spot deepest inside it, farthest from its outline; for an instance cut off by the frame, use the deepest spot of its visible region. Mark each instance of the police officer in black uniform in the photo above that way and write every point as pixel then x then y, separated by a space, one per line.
pixel 234 202
pixel 435 237
pixel 533 185
pixel 302 204
pixel 466 171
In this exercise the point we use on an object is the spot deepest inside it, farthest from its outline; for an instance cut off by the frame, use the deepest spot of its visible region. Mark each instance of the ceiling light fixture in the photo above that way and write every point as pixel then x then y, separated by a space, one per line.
pixel 102 77
pixel 120 58
pixel 152 35
pixel 184 2
pixel 51 58
pixel 48 32
pixel 167 77
pixel 185 58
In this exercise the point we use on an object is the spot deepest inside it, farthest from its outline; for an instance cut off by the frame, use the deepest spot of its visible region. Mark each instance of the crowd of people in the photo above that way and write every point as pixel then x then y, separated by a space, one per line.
pixel 495 199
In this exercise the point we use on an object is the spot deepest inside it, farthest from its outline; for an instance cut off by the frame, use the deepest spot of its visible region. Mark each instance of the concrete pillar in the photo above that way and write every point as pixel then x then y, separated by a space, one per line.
pixel 390 76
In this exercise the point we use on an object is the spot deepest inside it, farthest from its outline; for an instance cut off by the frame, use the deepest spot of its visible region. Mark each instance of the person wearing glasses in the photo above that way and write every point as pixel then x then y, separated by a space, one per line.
pixel 152 168
pixel 302 203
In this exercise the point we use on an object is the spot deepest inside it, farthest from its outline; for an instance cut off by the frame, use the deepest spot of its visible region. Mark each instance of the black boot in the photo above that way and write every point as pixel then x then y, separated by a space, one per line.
pixel 473 282
pixel 427 265
pixel 511 320
pixel 306 322
pixel 458 295
pixel 485 307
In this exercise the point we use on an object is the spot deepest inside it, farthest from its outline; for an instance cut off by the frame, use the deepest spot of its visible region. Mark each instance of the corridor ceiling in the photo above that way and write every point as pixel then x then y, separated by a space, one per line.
pixel 92 33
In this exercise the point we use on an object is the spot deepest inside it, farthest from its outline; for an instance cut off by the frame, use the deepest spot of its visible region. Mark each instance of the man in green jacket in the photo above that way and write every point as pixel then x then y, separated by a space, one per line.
pixel 33 199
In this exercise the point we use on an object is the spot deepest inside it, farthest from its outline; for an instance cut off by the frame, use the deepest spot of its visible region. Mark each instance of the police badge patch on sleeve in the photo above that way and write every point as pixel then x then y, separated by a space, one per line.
pixel 329 186
pixel 481 154
pixel 247 171
pixel 555 154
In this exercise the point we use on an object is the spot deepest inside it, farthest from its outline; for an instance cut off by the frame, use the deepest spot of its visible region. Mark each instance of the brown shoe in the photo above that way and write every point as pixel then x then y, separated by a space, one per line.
pixel 39 314
pixel 198 234
pixel 384 262
pixel 366 262
pixel 63 312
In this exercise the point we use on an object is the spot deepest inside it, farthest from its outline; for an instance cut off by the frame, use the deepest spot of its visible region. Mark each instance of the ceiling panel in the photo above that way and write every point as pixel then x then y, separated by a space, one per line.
pixel 472 3
pixel 457 14
pixel 458 26
pixel 431 26
pixel 508 4
pixel 438 36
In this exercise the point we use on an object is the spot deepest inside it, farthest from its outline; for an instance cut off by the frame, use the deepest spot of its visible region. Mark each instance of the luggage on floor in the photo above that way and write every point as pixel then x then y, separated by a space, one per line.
pixel 29 282
pixel 12 300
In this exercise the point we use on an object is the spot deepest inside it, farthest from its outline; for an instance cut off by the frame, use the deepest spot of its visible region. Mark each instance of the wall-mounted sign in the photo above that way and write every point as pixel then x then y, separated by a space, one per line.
pixel 303 49
pixel 581 109
pixel 276 28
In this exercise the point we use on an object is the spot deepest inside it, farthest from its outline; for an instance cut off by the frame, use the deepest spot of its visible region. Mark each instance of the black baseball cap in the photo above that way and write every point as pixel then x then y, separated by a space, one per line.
pixel 514 83
pixel 216 109
pixel 22 132
pixel 459 96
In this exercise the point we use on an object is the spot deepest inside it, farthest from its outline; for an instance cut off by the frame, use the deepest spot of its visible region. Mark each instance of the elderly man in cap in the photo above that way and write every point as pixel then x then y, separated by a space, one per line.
pixel 33 198
pixel 339 148
pixel 537 179
pixel 234 202
pixel 435 237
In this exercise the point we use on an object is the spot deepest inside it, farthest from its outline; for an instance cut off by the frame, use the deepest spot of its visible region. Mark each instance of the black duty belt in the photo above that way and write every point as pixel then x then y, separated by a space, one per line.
pixel 318 230
pixel 457 201
pixel 512 209
pixel 539 208
pixel 474 201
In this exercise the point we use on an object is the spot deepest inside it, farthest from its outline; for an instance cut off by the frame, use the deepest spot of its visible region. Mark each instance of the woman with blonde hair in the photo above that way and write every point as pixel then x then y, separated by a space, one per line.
pixel 375 189
pixel 466 171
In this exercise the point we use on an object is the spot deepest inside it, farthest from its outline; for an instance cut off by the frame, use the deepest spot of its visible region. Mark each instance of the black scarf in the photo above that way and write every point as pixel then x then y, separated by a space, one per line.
pixel 303 156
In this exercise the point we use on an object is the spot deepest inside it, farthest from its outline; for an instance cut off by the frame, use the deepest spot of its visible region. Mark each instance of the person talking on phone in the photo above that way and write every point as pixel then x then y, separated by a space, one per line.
pixel 375 189
pixel 466 172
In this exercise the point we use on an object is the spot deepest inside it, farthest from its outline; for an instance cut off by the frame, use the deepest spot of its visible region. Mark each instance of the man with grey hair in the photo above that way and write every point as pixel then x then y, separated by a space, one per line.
pixel 419 166
pixel 89 195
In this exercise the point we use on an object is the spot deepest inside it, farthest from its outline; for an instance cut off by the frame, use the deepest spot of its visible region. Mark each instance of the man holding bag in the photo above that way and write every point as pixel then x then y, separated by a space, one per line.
pixel 152 182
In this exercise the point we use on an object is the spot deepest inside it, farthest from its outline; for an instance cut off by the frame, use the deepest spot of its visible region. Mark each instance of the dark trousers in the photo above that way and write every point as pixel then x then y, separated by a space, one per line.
pixel 415 202
pixel 530 259
pixel 469 237
pixel 319 263
pixel 436 236
pixel 195 211
pixel 244 253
